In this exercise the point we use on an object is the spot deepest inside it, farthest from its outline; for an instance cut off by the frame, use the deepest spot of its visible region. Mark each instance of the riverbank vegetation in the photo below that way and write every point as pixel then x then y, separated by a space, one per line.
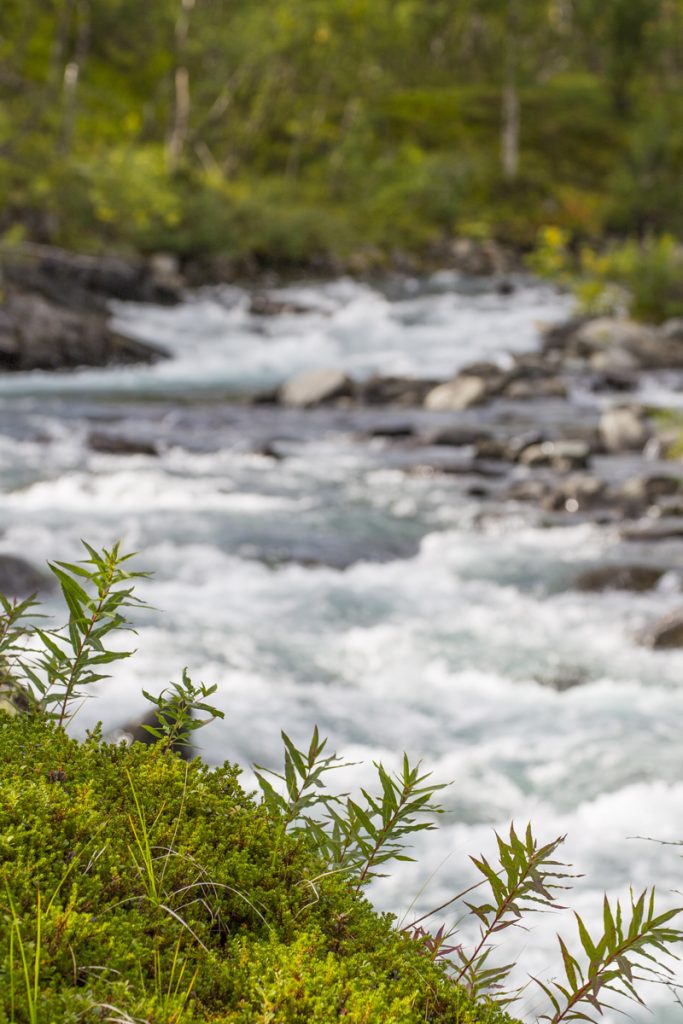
pixel 137 886
pixel 337 131
pixel 640 278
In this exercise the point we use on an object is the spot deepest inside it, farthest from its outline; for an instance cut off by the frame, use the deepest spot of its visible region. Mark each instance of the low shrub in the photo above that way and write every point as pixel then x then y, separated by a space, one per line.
pixel 643 279
pixel 139 887
pixel 135 885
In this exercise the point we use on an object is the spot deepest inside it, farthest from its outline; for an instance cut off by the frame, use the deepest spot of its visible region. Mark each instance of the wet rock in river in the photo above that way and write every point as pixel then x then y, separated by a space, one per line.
pixel 614 380
pixel 613 360
pixel 672 330
pixel 18 578
pixel 266 305
pixel 619 577
pixel 563 678
pixel 654 530
pixel 495 448
pixel 667 632
pixel 115 444
pixel 549 387
pixel 459 394
pixel 315 387
pixel 646 490
pixel 508 449
pixel 562 456
pixel 393 431
pixel 556 336
pixel 404 391
pixel 578 492
pixel 531 489
pixel 609 332
pixel 613 343
pixel 624 429
pixel 458 436
pixel 535 365
pixel 667 505
pixel 38 335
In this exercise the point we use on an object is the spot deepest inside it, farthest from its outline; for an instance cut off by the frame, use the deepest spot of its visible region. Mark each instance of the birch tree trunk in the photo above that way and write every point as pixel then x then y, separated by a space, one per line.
pixel 510 120
pixel 181 107
pixel 71 77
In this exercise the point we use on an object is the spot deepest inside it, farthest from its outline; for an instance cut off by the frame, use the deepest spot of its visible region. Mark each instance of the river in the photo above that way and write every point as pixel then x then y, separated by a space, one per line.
pixel 309 569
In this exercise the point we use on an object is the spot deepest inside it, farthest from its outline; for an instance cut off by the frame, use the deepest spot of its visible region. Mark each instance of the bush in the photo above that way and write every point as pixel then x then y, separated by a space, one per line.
pixel 643 279
pixel 133 880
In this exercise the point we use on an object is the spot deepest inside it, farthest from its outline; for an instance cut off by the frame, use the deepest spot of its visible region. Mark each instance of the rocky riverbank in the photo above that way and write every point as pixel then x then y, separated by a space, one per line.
pixel 54 311
pixel 54 304
pixel 564 430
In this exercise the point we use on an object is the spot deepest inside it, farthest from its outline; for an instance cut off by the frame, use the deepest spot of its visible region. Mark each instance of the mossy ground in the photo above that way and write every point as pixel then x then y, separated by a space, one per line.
pixel 136 886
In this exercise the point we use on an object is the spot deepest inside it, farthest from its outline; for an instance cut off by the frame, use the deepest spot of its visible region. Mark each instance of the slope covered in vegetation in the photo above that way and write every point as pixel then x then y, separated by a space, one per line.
pixel 135 886
pixel 285 132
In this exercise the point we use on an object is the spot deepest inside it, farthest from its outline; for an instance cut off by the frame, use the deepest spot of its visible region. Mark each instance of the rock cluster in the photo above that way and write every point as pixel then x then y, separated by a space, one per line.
pixel 54 313
pixel 36 334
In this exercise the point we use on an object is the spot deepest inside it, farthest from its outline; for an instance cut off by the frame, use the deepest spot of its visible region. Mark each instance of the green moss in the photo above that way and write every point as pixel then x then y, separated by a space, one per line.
pixel 669 424
pixel 132 880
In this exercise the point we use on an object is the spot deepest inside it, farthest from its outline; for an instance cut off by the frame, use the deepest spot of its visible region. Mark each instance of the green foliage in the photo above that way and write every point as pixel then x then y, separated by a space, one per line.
pixel 527 882
pixel 669 424
pixel 54 665
pixel 146 888
pixel 312 130
pixel 175 710
pixel 643 279
pixel 351 837
pixel 624 954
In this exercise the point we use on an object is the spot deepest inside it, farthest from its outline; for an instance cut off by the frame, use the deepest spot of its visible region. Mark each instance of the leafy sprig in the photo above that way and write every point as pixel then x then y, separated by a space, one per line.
pixel 527 879
pixel 176 707
pixel 53 666
pixel 302 779
pixel 628 951
pixel 352 836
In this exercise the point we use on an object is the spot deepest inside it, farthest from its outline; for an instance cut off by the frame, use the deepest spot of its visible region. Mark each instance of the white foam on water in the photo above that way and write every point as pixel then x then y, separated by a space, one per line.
pixel 458 653
pixel 216 343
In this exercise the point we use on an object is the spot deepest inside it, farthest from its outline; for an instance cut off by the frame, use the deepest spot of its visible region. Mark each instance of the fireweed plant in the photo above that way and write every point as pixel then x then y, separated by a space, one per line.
pixel 136 886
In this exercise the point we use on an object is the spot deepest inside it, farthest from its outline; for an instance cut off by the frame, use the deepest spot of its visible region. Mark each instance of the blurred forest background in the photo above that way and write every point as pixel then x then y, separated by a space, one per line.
pixel 293 130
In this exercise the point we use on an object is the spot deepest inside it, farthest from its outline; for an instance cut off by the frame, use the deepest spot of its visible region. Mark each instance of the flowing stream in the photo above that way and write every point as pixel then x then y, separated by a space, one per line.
pixel 301 565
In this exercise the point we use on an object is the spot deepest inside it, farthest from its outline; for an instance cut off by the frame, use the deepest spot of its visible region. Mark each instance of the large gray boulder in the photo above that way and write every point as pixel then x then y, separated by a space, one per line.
pixel 624 429
pixel 36 334
pixel 80 282
pixel 611 332
pixel 315 387
pixel 611 343
pixel 18 578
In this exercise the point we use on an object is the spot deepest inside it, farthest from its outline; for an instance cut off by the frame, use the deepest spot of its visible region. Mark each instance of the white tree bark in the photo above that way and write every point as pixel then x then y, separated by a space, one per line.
pixel 181 107
pixel 511 115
